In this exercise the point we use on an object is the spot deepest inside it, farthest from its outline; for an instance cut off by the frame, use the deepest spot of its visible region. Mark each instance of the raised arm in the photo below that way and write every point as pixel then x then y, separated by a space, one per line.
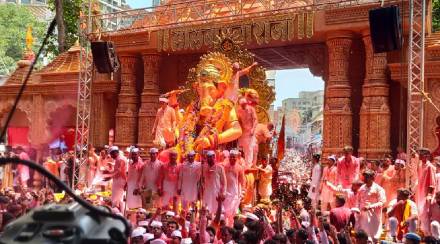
pixel 246 70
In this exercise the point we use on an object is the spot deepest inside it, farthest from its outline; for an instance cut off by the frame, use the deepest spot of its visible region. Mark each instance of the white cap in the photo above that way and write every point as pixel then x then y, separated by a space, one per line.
pixel 154 150
pixel 139 231
pixel 400 161
pixel 305 224
pixel 355 210
pixel 113 148
pixel 143 223
pixel 191 153
pixel 148 236
pixel 158 241
pixel 156 224
pixel 186 241
pixel 176 233
pixel 251 216
pixel 142 210
pixel 210 153
pixel 163 99
pixel 170 213
pixel 234 152
pixel 332 157
pixel 134 150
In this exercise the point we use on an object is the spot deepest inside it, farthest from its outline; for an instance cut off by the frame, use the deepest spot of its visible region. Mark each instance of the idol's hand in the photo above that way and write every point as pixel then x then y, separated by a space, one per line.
pixel 202 143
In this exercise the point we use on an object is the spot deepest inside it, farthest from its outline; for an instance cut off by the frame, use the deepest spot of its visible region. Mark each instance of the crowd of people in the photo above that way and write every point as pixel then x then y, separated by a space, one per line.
pixel 202 198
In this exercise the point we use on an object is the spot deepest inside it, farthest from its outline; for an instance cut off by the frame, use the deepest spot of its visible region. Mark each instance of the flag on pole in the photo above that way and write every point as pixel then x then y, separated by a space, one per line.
pixel 281 141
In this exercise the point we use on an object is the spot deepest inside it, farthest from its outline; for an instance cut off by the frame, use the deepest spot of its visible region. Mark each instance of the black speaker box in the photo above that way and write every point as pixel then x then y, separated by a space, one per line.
pixel 104 57
pixel 385 29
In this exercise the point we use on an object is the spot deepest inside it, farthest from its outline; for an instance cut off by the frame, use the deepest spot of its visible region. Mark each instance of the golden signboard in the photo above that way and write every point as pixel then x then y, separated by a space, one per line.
pixel 260 31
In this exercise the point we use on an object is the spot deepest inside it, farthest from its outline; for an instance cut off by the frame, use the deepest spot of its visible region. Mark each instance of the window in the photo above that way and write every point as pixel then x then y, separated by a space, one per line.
pixel 25 1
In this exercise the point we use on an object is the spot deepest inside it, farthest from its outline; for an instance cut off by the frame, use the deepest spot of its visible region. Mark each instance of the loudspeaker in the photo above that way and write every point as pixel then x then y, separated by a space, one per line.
pixel 385 29
pixel 104 56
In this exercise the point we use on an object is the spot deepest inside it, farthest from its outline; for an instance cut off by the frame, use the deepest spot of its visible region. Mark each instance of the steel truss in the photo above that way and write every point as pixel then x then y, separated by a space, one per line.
pixel 84 96
pixel 210 11
pixel 416 79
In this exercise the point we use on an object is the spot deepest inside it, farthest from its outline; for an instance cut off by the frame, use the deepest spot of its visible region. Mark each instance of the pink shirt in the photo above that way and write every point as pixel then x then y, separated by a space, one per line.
pixel 347 171
pixel 434 212
pixel 339 217
pixel 262 133
pixel 248 120
pixel 120 168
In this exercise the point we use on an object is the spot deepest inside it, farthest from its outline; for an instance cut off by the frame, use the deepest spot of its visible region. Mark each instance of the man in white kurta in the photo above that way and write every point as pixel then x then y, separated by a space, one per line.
pixel 426 186
pixel 119 178
pixel 167 184
pixel 371 200
pixel 265 182
pixel 150 175
pixel 315 180
pixel 134 172
pixel 164 124
pixel 189 176
pixel 234 182
pixel 328 177
pixel 213 182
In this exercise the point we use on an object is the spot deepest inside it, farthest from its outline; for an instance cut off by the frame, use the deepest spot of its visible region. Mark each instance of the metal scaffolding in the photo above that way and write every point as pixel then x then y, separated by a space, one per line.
pixel 416 66
pixel 84 96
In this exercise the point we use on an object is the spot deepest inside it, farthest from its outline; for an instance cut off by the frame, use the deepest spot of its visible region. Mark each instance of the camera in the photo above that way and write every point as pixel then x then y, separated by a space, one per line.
pixel 64 223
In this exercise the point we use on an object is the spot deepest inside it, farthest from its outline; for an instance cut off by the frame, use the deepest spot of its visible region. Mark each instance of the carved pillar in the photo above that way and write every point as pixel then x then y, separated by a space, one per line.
pixel 337 109
pixel 127 110
pixel 98 122
pixel 375 111
pixel 38 132
pixel 149 99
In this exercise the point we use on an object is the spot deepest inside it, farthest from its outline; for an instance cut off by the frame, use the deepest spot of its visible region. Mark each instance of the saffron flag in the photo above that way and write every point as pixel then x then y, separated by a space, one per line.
pixel 281 141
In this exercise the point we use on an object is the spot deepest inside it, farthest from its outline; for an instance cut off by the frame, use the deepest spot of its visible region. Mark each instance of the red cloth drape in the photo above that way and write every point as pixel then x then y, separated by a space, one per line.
pixel 18 136
pixel 69 135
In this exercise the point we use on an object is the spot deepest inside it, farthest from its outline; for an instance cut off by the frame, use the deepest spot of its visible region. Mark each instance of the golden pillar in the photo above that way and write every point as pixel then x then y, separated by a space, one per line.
pixel 375 111
pixel 149 99
pixel 127 110
pixel 337 109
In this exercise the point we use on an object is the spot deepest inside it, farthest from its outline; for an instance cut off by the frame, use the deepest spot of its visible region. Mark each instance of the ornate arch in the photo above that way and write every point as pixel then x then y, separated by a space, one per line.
pixel 24 105
pixel 52 105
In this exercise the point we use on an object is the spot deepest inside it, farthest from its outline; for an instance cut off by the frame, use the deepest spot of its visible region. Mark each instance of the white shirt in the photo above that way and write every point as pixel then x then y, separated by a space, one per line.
pixel 150 174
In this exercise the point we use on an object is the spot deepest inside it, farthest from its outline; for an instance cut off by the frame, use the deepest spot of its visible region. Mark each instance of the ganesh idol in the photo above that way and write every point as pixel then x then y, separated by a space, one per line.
pixel 211 120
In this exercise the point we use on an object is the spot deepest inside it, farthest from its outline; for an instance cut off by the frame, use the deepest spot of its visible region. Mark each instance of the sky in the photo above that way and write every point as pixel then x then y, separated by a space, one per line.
pixel 288 83
pixel 139 3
